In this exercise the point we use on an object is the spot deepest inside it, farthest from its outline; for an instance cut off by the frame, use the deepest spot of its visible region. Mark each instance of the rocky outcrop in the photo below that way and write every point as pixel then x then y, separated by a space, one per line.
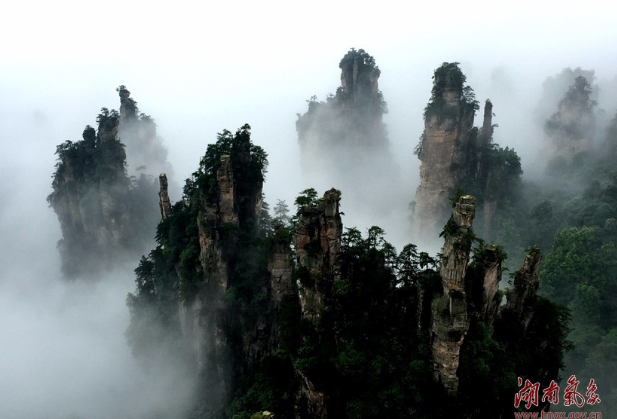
pixel 450 321
pixel 571 129
pixel 360 98
pixel 553 89
pixel 456 156
pixel 106 217
pixel 280 267
pixel 522 296
pixel 205 317
pixel 485 136
pixel 344 137
pixel 310 403
pixel 447 149
pixel 262 323
pixel 229 203
pixel 352 117
pixel 281 284
pixel 164 202
pixel 317 243
pixel 490 285
pixel 488 178
pixel 145 150
pixel 90 196
pixel 212 216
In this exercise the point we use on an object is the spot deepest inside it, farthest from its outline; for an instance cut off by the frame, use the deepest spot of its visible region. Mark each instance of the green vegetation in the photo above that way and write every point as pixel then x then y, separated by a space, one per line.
pixel 570 214
pixel 369 348
pixel 362 58
pixel 450 79
pixel 370 351
pixel 368 331
pixel 480 167
pixel 173 273
pixel 576 99
pixel 580 273
pixel 104 214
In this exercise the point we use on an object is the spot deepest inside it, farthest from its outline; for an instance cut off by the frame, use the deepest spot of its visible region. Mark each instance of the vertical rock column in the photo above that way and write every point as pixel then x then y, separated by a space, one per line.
pixel 318 241
pixel 164 202
pixel 450 322
pixel 204 316
pixel 281 283
pixel 572 128
pixel 526 283
pixel 490 285
pixel 446 151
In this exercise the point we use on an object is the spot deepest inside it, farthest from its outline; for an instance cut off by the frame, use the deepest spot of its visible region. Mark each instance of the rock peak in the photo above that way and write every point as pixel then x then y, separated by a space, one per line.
pixel 449 311
pixel 571 129
pixel 164 202
pixel 446 148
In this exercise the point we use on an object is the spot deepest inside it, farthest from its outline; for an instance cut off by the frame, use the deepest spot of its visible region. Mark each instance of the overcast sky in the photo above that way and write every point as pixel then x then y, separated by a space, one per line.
pixel 200 69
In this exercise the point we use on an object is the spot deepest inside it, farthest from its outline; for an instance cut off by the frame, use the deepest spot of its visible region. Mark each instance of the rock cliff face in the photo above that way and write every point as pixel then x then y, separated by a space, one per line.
pixel 144 148
pixel 450 318
pixel 447 149
pixel 490 285
pixel 317 243
pixel 455 155
pixel 231 293
pixel 106 217
pixel 521 298
pixel 164 202
pixel 471 297
pixel 282 288
pixel 205 317
pixel 571 129
pixel 91 198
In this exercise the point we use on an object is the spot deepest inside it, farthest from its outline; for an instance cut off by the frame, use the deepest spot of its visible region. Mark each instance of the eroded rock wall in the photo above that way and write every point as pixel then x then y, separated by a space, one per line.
pixel 447 151
pixel 164 201
pixel 490 285
pixel 91 199
pixel 522 296
pixel 205 317
pixel 106 216
pixel 317 243
pixel 450 321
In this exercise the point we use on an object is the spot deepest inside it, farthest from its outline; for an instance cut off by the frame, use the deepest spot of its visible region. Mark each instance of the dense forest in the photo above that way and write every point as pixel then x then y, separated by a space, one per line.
pixel 328 336
pixel 288 314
